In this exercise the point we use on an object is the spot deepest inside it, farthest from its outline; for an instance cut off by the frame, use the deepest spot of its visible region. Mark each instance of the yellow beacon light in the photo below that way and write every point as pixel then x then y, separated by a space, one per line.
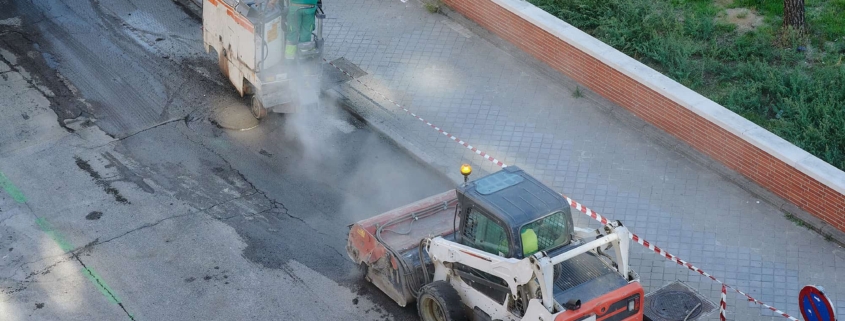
pixel 466 170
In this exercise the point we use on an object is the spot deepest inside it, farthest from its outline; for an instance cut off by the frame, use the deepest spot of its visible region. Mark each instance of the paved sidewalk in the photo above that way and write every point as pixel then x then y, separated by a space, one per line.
pixel 582 146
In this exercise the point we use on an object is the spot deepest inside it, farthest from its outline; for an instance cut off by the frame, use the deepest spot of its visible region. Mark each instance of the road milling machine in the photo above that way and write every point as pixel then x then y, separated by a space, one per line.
pixel 270 50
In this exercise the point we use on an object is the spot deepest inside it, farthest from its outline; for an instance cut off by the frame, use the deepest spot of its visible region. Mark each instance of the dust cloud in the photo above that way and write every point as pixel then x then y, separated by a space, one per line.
pixel 310 124
pixel 373 174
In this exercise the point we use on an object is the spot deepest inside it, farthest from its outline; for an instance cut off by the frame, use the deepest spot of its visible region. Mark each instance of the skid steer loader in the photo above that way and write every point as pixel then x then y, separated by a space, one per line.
pixel 269 49
pixel 502 247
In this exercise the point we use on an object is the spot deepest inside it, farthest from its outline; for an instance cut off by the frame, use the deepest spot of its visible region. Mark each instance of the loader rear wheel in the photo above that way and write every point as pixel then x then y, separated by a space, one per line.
pixel 438 301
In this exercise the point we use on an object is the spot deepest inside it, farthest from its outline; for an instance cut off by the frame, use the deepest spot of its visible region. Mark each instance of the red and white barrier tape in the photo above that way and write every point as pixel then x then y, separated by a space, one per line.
pixel 673 258
pixel 452 137
pixel 723 304
pixel 583 209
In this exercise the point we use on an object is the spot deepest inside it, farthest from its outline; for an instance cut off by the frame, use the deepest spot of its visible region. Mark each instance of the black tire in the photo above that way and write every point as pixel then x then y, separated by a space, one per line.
pixel 257 108
pixel 438 301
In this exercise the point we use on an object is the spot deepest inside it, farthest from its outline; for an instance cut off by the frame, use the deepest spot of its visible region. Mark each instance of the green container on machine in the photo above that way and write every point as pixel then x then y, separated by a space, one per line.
pixel 301 18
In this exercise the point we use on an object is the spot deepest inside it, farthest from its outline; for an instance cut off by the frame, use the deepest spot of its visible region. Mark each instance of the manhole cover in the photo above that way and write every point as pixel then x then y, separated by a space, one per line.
pixel 349 67
pixel 234 117
pixel 674 302
pixel 332 76
pixel 674 305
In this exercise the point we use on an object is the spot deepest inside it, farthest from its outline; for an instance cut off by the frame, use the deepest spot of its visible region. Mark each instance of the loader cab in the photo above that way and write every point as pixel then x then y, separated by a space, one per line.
pixel 511 214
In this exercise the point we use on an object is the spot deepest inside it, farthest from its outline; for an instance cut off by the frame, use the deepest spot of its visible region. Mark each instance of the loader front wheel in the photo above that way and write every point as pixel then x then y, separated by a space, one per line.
pixel 438 301
pixel 257 108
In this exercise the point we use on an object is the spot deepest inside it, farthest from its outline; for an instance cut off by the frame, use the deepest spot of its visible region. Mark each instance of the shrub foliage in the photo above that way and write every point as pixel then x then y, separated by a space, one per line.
pixel 790 83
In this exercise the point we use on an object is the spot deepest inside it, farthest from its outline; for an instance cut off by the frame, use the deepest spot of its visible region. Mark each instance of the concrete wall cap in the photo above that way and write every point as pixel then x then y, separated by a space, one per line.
pixel 715 113
pixel 677 92
pixel 823 172
pixel 613 58
pixel 722 117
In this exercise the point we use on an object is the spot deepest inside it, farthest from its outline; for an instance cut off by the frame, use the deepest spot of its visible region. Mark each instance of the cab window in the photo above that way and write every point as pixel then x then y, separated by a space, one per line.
pixel 485 234
pixel 545 234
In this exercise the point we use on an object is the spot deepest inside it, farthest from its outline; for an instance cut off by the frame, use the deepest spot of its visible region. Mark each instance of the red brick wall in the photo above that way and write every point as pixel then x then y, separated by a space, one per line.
pixel 707 137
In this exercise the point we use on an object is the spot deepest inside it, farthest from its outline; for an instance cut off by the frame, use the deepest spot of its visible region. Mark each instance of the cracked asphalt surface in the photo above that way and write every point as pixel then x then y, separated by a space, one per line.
pixel 120 198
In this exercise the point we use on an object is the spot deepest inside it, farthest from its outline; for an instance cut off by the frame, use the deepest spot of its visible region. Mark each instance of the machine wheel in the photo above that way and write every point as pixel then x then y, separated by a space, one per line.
pixel 257 108
pixel 438 301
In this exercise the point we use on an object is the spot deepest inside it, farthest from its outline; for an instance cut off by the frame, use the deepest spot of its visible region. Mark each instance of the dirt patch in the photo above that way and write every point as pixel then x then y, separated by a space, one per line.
pixel 744 19
pixel 723 3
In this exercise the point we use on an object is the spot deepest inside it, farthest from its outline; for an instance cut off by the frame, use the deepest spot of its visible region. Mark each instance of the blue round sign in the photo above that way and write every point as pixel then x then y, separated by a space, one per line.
pixel 815 306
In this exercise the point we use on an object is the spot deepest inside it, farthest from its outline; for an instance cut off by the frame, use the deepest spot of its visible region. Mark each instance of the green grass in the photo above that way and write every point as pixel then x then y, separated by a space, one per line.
pixel 795 220
pixel 759 74
pixel 432 6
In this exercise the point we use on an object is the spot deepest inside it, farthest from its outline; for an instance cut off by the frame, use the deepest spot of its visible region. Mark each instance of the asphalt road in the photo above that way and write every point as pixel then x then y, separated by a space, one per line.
pixel 121 199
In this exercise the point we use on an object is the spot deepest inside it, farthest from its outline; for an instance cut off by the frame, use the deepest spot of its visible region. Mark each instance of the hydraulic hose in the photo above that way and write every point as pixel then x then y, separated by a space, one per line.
pixel 423 244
